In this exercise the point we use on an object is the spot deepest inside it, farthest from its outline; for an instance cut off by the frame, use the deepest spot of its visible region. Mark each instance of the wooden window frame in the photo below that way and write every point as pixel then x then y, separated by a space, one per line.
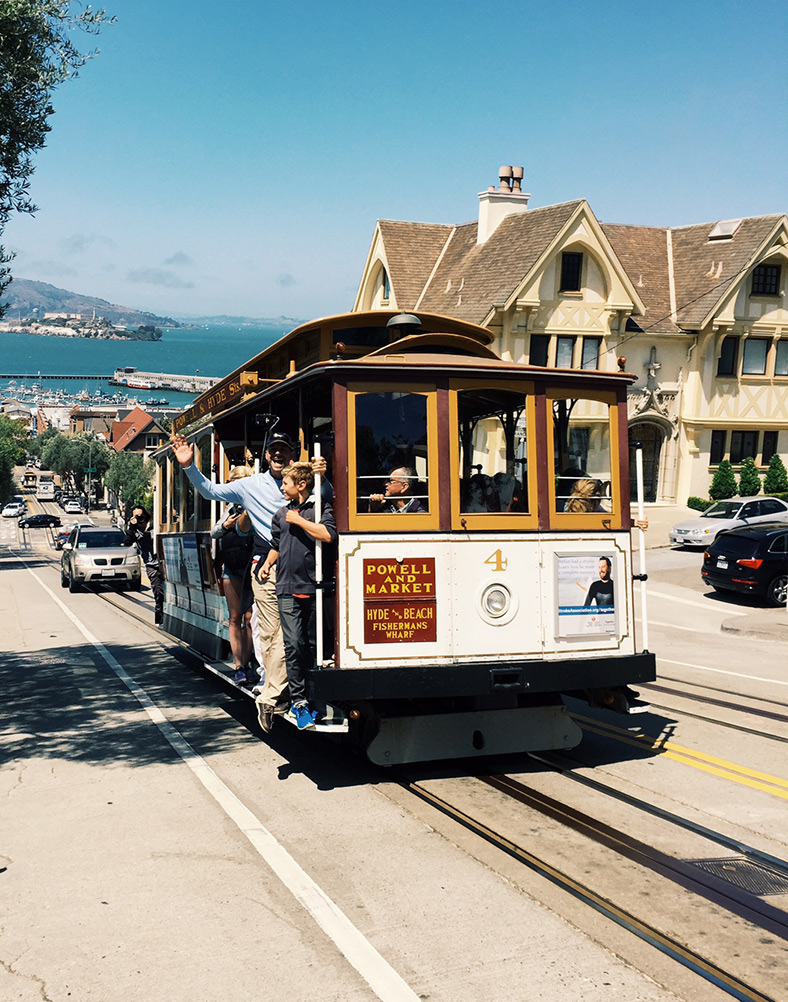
pixel 569 266
pixel 766 275
pixel 494 521
pixel 615 519
pixel 387 522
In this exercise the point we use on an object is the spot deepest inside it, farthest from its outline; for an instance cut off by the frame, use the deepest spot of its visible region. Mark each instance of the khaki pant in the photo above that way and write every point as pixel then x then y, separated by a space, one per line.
pixel 275 691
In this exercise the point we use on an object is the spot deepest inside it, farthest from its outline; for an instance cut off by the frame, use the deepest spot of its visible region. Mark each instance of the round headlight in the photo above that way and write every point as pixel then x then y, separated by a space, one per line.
pixel 496 601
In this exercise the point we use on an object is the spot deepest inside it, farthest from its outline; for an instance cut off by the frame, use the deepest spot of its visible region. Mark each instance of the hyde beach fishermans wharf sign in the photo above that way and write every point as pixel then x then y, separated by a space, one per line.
pixel 399 601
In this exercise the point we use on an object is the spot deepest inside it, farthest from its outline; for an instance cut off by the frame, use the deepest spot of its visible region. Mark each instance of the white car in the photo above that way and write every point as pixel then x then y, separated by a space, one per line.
pixel 14 510
pixel 72 508
pixel 727 515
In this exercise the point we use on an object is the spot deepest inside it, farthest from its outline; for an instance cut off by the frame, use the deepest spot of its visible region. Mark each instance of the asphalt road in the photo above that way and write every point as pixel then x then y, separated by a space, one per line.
pixel 154 846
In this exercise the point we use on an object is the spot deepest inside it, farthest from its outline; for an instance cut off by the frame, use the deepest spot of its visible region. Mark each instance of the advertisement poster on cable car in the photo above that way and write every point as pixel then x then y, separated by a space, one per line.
pixel 586 595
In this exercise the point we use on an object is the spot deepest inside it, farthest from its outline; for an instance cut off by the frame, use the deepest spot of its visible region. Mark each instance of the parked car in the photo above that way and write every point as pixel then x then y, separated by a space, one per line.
pixel 93 555
pixel 727 515
pixel 61 536
pixel 14 509
pixel 44 521
pixel 752 560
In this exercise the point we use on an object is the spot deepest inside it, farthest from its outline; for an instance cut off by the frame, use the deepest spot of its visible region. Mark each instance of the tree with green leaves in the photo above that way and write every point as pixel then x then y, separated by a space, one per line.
pixel 776 481
pixel 723 484
pixel 37 443
pixel 749 481
pixel 36 54
pixel 72 456
pixel 13 436
pixel 129 477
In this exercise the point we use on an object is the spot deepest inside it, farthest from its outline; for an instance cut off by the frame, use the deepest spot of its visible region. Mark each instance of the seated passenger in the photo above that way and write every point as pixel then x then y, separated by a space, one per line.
pixel 480 495
pixel 584 497
pixel 564 485
pixel 397 497
pixel 510 492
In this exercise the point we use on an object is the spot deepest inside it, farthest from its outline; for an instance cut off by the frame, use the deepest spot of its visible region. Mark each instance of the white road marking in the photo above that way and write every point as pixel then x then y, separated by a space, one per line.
pixel 698 605
pixel 358 951
pixel 719 671
pixel 675 626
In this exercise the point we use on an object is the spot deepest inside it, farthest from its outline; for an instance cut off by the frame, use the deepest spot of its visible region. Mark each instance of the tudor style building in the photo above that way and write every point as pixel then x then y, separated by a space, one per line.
pixel 699 313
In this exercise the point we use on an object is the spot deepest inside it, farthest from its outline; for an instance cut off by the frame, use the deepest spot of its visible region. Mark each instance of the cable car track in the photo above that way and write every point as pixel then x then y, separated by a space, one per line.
pixel 769 918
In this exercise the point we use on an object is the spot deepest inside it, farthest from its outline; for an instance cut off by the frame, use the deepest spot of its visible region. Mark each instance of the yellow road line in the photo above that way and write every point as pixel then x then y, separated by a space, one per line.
pixel 699 760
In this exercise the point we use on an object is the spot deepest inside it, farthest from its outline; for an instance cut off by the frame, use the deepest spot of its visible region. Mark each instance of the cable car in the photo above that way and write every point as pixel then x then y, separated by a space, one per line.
pixel 483 568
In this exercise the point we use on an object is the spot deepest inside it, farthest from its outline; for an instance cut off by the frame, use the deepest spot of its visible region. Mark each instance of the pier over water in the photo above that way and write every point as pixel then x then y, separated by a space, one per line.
pixel 130 377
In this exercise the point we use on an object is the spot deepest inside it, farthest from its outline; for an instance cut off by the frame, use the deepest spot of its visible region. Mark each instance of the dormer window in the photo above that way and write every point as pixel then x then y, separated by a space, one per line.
pixel 571 271
pixel 385 284
pixel 766 280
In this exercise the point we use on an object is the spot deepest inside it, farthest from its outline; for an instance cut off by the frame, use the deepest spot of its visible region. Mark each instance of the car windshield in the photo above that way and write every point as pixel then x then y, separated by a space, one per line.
pixel 722 509
pixel 99 540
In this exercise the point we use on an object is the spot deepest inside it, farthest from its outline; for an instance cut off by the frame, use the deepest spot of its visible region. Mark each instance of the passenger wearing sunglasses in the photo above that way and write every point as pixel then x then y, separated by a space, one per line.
pixel 397 497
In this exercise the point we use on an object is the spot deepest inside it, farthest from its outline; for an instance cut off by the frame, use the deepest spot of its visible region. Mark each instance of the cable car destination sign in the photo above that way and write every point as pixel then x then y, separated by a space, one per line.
pixel 399 601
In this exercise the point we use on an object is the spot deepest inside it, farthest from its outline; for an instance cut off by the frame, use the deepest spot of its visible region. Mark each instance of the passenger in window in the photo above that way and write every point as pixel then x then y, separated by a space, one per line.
pixel 397 496
pixel 584 497
pixel 510 492
pixel 481 495
pixel 565 486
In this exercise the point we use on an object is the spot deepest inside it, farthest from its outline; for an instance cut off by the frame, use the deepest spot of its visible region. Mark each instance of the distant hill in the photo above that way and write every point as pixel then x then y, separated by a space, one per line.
pixel 25 296
pixel 283 323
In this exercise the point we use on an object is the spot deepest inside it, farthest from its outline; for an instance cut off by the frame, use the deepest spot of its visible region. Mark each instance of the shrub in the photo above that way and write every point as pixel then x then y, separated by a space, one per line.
pixel 699 504
pixel 749 481
pixel 776 481
pixel 724 483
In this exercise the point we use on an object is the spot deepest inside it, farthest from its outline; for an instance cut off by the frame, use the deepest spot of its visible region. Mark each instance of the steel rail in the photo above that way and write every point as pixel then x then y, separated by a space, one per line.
pixel 732 844
pixel 711 700
pixel 719 892
pixel 667 945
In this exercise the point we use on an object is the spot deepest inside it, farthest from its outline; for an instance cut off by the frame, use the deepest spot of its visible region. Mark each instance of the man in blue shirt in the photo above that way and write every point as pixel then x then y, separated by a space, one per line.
pixel 261 495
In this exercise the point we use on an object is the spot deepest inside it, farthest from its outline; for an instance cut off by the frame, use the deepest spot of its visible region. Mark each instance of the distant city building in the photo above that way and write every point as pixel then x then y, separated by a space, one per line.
pixel 699 313
pixel 137 432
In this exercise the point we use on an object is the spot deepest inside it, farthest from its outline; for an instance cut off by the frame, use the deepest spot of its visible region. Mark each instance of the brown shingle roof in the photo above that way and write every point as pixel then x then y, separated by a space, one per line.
pixel 472 278
pixel 643 251
pixel 411 251
pixel 125 431
pixel 704 271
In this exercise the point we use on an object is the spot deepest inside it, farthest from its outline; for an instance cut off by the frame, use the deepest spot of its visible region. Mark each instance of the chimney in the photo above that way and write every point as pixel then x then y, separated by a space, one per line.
pixel 496 204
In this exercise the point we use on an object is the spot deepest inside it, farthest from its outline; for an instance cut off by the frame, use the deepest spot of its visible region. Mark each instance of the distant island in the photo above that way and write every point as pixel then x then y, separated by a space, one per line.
pixel 79 326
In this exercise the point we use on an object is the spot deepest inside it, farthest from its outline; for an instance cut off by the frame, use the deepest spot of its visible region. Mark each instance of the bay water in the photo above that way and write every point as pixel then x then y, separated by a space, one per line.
pixel 206 351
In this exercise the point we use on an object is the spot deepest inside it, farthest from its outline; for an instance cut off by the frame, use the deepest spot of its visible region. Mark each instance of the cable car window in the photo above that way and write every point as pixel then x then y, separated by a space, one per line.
pixel 493 451
pixel 582 455
pixel 392 473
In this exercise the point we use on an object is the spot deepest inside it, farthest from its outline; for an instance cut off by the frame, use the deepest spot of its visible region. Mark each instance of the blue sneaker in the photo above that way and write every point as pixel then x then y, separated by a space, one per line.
pixel 302 716
pixel 240 676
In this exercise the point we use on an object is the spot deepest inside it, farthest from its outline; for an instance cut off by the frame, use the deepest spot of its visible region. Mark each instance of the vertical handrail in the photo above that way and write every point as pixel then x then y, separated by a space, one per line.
pixel 642 542
pixel 318 566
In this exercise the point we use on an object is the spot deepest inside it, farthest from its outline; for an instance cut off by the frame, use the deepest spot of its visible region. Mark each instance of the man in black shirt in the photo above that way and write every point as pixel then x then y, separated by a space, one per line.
pixel 601 591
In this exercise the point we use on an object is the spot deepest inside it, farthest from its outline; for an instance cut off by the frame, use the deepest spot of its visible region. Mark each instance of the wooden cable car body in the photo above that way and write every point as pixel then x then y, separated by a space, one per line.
pixel 460 621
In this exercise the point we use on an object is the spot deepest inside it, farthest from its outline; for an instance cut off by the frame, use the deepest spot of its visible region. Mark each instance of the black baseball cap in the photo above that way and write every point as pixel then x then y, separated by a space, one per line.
pixel 280 438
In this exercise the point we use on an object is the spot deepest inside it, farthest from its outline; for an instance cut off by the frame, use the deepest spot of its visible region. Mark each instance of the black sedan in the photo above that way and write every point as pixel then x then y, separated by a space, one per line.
pixel 44 521
pixel 752 559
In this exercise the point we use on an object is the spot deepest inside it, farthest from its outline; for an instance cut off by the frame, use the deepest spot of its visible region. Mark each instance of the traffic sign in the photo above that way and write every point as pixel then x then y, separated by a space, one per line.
pixel 91 469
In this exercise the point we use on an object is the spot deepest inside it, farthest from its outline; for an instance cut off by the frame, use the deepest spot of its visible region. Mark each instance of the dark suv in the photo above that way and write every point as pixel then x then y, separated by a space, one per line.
pixel 752 559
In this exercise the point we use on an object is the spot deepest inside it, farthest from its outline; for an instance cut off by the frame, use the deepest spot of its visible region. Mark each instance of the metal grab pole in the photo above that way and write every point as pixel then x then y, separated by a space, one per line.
pixel 642 541
pixel 318 567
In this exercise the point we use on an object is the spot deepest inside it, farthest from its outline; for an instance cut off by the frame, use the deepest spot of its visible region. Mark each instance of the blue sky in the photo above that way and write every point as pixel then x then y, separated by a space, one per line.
pixel 234 158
